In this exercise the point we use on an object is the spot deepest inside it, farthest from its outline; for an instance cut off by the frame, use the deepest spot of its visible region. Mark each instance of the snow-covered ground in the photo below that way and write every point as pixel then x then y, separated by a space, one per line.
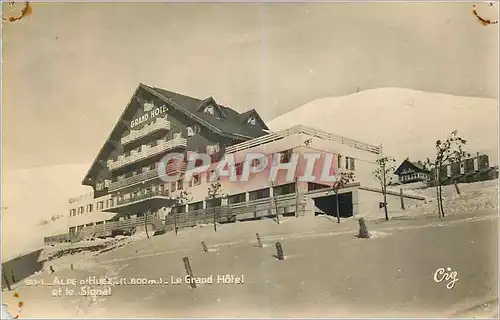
pixel 327 271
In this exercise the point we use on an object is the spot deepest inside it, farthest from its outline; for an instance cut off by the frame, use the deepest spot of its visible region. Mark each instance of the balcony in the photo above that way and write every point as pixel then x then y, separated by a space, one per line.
pixel 150 174
pixel 143 196
pixel 171 168
pixel 146 152
pixel 158 124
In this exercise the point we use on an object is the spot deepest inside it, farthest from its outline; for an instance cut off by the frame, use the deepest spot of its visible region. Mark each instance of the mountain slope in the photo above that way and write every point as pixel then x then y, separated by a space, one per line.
pixel 32 195
pixel 407 122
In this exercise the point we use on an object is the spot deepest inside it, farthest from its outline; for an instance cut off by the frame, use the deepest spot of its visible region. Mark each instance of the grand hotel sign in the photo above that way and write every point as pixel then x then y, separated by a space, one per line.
pixel 150 112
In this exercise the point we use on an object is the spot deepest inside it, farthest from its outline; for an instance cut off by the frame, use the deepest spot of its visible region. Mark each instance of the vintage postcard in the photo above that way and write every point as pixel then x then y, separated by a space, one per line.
pixel 250 159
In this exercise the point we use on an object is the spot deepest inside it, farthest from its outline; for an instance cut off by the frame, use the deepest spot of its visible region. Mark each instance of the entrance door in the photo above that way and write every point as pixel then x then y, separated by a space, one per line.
pixel 328 204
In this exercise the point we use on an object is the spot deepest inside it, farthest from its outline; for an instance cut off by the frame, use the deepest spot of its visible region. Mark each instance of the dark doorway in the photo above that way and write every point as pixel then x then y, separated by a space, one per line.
pixel 327 204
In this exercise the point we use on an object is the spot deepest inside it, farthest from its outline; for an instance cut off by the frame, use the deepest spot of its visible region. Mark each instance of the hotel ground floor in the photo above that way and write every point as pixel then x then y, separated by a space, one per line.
pixel 154 212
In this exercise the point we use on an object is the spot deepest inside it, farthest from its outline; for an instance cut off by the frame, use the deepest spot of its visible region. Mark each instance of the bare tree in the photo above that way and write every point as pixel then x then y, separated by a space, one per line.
pixel 215 192
pixel 385 167
pixel 447 152
pixel 344 179
pixel 274 200
pixel 180 199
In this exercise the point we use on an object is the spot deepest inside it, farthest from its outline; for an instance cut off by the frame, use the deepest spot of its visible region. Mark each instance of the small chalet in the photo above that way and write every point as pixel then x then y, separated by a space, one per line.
pixel 409 172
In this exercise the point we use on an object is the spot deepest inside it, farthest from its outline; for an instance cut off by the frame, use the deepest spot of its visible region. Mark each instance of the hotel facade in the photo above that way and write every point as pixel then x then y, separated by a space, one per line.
pixel 130 193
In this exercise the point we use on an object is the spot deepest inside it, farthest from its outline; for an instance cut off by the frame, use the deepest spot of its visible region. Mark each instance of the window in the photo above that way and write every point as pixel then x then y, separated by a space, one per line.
pixel 195 206
pixel 99 186
pixel 211 203
pixel 352 164
pixel 196 179
pixel 284 189
pixel 259 194
pixel 209 110
pixel 214 148
pixel 462 168
pixel 255 163
pixel 101 203
pixel 81 210
pixel 190 132
pixel 173 186
pixel 211 176
pixel 239 169
pixel 476 164
pixel 349 163
pixel 339 160
pixel 215 157
pixel 179 209
pixel 237 198
pixel 251 121
pixel 180 185
pixel 285 156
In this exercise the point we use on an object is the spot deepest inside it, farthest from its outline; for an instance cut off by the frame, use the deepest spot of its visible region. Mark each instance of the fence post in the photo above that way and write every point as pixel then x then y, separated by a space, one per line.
pixel 204 246
pixel 401 197
pixel 189 272
pixel 6 280
pixel 258 240
pixel 363 231
pixel 279 250
pixel 13 277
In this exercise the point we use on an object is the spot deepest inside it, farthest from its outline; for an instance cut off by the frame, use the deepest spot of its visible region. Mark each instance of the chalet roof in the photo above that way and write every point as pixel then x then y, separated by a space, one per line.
pixel 229 124
pixel 418 167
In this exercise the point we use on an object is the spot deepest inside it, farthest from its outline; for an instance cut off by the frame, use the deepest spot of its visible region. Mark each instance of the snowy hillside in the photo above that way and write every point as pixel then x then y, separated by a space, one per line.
pixel 407 122
pixel 32 195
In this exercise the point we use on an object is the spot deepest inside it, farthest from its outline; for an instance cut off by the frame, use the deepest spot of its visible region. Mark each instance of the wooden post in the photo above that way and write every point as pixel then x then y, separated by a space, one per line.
pixel 6 280
pixel 258 240
pixel 189 272
pixel 402 198
pixel 204 246
pixel 363 231
pixel 279 250
pixel 72 267
pixel 456 187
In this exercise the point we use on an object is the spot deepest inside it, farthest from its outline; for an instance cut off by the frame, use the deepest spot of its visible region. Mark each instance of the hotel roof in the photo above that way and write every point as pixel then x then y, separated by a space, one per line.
pixel 227 122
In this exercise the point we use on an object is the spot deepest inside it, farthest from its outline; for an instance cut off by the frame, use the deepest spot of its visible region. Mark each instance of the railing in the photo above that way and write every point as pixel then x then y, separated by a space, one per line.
pixel 151 174
pixel 173 167
pixel 147 152
pixel 60 238
pixel 158 124
pixel 157 193
pixel 305 130
pixel 229 213
pixel 107 229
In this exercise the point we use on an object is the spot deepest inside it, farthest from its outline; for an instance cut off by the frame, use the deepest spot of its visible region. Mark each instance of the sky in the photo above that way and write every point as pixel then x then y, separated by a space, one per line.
pixel 70 69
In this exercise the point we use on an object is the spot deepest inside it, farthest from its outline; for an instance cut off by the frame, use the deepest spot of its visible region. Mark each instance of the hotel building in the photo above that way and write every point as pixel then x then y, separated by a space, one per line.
pixel 129 194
